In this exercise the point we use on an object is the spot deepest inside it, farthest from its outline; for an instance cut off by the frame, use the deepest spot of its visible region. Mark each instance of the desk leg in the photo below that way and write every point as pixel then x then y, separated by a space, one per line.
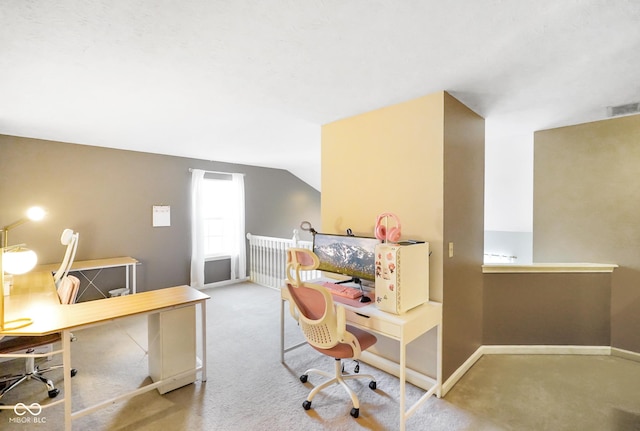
pixel 203 309
pixel 403 380
pixel 66 369
pixel 282 331
pixel 133 279
pixel 439 362
pixel 126 277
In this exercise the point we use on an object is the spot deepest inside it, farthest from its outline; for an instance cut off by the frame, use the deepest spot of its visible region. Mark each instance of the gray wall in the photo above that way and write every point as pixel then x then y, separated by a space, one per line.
pixel 463 226
pixel 107 195
pixel 547 309
pixel 587 207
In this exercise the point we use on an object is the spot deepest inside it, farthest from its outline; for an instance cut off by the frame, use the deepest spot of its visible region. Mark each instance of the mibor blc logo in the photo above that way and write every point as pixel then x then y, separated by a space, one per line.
pixel 27 413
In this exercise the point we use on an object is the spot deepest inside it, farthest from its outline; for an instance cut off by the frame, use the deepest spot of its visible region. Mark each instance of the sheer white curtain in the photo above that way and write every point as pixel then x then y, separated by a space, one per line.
pixel 237 247
pixel 238 244
pixel 197 228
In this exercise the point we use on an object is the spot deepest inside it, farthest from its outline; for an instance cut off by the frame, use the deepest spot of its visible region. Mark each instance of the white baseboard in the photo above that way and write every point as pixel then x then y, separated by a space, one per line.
pixel 545 350
pixel 457 374
pixel 222 283
pixel 425 382
pixel 625 354
pixel 533 350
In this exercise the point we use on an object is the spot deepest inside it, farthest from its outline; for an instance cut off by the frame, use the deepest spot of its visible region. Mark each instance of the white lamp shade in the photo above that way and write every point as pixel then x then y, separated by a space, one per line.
pixel 19 261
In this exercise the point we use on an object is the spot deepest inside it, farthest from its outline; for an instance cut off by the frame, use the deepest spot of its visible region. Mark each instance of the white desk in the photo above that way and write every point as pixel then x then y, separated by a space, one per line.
pixel 34 296
pixel 404 328
pixel 80 266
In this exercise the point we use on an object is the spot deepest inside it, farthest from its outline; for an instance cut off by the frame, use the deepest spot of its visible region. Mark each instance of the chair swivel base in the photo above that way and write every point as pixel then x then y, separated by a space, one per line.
pixel 8 383
pixel 338 378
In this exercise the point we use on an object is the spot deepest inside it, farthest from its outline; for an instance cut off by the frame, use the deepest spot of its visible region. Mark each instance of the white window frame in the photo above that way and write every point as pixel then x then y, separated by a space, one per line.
pixel 212 201
pixel 235 202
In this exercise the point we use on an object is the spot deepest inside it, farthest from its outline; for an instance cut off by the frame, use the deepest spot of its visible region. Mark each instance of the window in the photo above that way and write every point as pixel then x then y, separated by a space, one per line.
pixel 217 222
pixel 218 211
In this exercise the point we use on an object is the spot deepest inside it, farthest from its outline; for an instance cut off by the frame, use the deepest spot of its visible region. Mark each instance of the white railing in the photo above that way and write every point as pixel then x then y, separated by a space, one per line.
pixel 268 259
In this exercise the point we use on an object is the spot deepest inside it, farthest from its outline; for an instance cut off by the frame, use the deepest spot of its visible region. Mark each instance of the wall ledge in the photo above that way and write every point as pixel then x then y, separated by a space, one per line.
pixel 510 268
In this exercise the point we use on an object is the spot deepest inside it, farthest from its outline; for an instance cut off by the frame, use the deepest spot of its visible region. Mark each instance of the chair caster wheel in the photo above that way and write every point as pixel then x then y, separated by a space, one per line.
pixel 303 378
pixel 306 405
pixel 355 412
pixel 373 385
pixel 54 393
pixel 73 372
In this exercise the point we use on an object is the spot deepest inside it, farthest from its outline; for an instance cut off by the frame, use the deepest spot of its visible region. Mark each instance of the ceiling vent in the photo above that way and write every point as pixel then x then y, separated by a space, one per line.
pixel 629 108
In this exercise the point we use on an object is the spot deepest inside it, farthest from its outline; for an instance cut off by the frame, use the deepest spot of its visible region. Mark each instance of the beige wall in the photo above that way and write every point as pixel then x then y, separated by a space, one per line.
pixel 396 159
pixel 388 160
pixel 587 207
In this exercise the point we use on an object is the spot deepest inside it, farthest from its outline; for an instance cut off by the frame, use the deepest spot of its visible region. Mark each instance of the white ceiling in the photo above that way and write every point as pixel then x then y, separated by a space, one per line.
pixel 251 82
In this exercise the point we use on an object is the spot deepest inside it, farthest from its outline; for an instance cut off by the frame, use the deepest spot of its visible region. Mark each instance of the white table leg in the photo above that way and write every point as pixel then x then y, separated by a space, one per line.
pixel 203 309
pixel 439 362
pixel 66 369
pixel 403 378
pixel 126 277
pixel 282 331
pixel 133 280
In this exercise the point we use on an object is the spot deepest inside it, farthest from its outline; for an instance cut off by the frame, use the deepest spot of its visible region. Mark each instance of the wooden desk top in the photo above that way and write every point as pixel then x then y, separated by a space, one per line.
pixel 33 295
pixel 83 265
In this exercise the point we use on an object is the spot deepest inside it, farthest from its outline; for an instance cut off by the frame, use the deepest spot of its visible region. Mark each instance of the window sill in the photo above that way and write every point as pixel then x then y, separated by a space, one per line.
pixel 220 257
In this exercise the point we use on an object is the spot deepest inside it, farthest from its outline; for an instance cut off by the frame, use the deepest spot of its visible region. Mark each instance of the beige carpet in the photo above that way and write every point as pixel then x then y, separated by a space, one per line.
pixel 249 389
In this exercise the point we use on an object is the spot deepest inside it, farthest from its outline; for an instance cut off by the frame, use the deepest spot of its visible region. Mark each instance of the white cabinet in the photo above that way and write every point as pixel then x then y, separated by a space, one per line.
pixel 172 346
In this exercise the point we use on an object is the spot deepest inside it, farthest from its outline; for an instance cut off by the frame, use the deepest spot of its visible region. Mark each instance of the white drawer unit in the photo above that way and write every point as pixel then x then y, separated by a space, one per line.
pixel 172 346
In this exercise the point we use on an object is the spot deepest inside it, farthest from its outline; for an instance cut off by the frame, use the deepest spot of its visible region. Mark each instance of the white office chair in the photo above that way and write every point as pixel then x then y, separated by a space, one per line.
pixel 70 239
pixel 67 287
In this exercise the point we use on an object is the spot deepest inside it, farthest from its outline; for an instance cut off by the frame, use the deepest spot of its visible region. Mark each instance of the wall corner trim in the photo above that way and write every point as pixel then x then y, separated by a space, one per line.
pixel 457 374
pixel 625 354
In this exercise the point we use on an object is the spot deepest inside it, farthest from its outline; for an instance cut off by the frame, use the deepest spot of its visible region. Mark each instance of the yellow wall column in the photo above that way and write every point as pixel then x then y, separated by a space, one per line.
pixel 397 159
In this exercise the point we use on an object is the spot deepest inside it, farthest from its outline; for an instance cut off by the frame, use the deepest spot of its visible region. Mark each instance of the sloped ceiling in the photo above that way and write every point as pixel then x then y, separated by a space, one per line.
pixel 252 81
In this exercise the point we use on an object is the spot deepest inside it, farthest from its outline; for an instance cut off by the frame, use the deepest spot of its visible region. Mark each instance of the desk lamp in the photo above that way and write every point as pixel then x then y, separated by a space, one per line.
pixel 33 214
pixel 16 260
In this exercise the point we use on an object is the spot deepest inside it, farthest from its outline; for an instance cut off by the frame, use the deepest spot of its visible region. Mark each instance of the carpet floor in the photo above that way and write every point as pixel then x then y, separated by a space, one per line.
pixel 249 389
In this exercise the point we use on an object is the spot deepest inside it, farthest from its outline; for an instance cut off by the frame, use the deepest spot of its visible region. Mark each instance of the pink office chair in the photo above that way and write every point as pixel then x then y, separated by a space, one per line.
pixel 324 326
